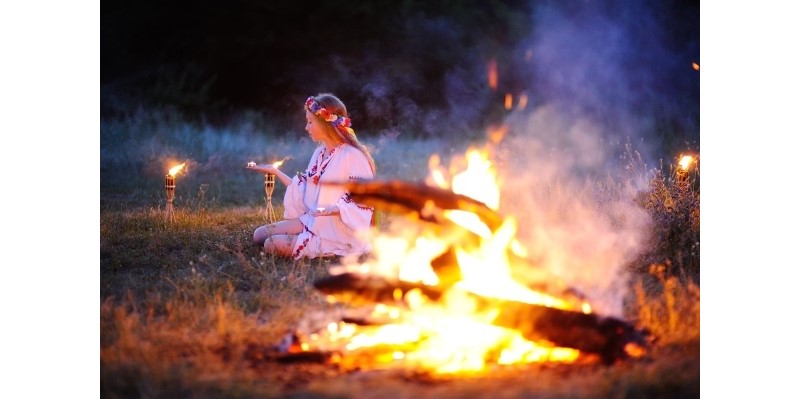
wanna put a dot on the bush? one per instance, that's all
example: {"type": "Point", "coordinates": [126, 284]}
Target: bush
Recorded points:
{"type": "Point", "coordinates": [673, 201]}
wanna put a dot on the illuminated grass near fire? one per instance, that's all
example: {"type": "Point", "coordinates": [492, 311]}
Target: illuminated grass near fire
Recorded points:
{"type": "Point", "coordinates": [199, 318]}
{"type": "Point", "coordinates": [193, 306]}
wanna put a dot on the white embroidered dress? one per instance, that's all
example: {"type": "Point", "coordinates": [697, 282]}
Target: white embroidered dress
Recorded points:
{"type": "Point", "coordinates": [344, 234]}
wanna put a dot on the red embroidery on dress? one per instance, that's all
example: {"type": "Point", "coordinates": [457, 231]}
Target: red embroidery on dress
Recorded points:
{"type": "Point", "coordinates": [323, 167]}
{"type": "Point", "coordinates": [305, 175]}
{"type": "Point", "coordinates": [296, 254]}
{"type": "Point", "coordinates": [304, 244]}
{"type": "Point", "coordinates": [348, 199]}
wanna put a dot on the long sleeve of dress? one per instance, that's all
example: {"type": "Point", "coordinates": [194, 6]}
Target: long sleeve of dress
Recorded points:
{"type": "Point", "coordinates": [354, 215]}
{"type": "Point", "coordinates": [294, 200]}
{"type": "Point", "coordinates": [293, 205]}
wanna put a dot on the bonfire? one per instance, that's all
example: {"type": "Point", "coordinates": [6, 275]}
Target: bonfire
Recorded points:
{"type": "Point", "coordinates": [438, 292]}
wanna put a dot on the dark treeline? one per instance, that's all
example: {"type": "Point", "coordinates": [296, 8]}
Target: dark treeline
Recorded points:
{"type": "Point", "coordinates": [413, 65]}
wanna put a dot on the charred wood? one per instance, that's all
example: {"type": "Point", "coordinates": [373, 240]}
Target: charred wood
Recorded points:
{"type": "Point", "coordinates": [304, 357]}
{"type": "Point", "coordinates": [361, 289]}
{"type": "Point", "coordinates": [425, 201]}
{"type": "Point", "coordinates": [604, 336]}
{"type": "Point", "coordinates": [589, 333]}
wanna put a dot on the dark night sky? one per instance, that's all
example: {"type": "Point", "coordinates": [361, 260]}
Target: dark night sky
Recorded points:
{"type": "Point", "coordinates": [412, 65]}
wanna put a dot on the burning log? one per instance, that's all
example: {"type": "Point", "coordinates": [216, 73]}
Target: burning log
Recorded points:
{"type": "Point", "coordinates": [302, 357]}
{"type": "Point", "coordinates": [289, 350]}
{"type": "Point", "coordinates": [474, 277]}
{"type": "Point", "coordinates": [425, 201]}
{"type": "Point", "coordinates": [361, 289]}
{"type": "Point", "coordinates": [610, 338]}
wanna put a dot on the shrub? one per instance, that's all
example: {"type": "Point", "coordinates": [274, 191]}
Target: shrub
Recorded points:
{"type": "Point", "coordinates": [673, 201]}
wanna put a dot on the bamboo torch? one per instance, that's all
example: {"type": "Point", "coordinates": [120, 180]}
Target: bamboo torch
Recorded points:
{"type": "Point", "coordinates": [682, 173]}
{"type": "Point", "coordinates": [269, 187]}
{"type": "Point", "coordinates": [169, 187]}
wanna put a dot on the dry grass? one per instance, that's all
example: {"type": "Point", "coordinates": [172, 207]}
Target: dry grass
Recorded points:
{"type": "Point", "coordinates": [193, 309]}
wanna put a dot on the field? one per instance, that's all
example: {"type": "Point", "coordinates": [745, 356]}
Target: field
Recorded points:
{"type": "Point", "coordinates": [191, 308]}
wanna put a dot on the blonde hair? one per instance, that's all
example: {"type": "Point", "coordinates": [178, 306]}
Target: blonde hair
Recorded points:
{"type": "Point", "coordinates": [338, 133]}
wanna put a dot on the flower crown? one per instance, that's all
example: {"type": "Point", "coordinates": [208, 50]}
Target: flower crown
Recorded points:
{"type": "Point", "coordinates": [316, 109]}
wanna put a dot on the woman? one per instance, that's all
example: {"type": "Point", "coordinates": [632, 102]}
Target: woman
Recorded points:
{"type": "Point", "coordinates": [321, 219]}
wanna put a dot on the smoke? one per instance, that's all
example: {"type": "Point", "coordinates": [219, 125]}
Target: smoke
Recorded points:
{"type": "Point", "coordinates": [626, 64]}
{"type": "Point", "coordinates": [579, 225]}
{"type": "Point", "coordinates": [598, 75]}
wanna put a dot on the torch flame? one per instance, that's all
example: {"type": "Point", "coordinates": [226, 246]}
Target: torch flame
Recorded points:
{"type": "Point", "coordinates": [685, 162]}
{"type": "Point", "coordinates": [174, 170]}
{"type": "Point", "coordinates": [279, 163]}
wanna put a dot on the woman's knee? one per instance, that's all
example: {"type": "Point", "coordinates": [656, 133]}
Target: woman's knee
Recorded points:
{"type": "Point", "coordinates": [279, 244]}
{"type": "Point", "coordinates": [260, 235]}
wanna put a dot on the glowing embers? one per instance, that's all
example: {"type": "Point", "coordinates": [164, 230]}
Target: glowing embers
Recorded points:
{"type": "Point", "coordinates": [433, 338]}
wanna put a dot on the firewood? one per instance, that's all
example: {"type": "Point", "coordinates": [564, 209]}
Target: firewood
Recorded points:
{"type": "Point", "coordinates": [426, 202]}
{"type": "Point", "coordinates": [590, 333]}
{"type": "Point", "coordinates": [361, 289]}
{"type": "Point", "coordinates": [587, 332]}
{"type": "Point", "coordinates": [304, 357]}
{"type": "Point", "coordinates": [607, 337]}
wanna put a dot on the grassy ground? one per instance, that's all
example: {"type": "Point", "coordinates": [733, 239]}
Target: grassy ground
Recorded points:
{"type": "Point", "coordinates": [192, 309]}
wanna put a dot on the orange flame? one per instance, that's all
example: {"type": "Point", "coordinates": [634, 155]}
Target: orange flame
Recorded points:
{"type": "Point", "coordinates": [497, 133]}
{"type": "Point", "coordinates": [685, 162]}
{"type": "Point", "coordinates": [478, 180]}
{"type": "Point", "coordinates": [176, 169]}
{"type": "Point", "coordinates": [696, 66]}
{"type": "Point", "coordinates": [509, 101]}
{"type": "Point", "coordinates": [492, 74]}
{"type": "Point", "coordinates": [279, 163]}
{"type": "Point", "coordinates": [449, 335]}
{"type": "Point", "coordinates": [437, 174]}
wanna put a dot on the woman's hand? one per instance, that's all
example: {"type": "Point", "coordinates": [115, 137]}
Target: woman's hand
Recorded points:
{"type": "Point", "coordinates": [328, 211]}
{"type": "Point", "coordinates": [263, 168]}
{"type": "Point", "coordinates": [270, 168]}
